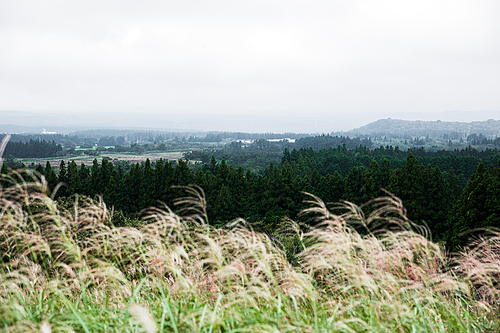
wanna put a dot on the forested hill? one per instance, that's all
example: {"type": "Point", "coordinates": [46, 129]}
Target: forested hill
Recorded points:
{"type": "Point", "coordinates": [419, 128]}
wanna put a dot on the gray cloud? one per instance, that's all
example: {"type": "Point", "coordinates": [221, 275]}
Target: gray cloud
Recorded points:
{"type": "Point", "coordinates": [357, 59]}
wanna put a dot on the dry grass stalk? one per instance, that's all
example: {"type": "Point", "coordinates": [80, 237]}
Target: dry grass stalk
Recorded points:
{"type": "Point", "coordinates": [70, 253]}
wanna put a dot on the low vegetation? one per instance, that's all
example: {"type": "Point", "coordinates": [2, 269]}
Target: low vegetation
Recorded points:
{"type": "Point", "coordinates": [69, 269]}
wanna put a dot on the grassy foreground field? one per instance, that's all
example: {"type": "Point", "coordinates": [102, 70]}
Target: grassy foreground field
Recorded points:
{"type": "Point", "coordinates": [70, 270]}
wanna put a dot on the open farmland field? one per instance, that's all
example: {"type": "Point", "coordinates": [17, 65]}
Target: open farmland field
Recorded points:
{"type": "Point", "coordinates": [88, 160]}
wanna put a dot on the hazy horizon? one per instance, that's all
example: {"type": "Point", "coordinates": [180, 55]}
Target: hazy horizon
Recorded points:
{"type": "Point", "coordinates": [17, 122]}
{"type": "Point", "coordinates": [261, 66]}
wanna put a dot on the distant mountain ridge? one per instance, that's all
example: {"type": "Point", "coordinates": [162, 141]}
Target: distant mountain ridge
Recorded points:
{"type": "Point", "coordinates": [423, 128]}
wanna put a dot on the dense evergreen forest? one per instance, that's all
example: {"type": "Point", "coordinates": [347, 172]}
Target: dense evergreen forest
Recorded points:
{"type": "Point", "coordinates": [32, 149]}
{"type": "Point", "coordinates": [450, 191]}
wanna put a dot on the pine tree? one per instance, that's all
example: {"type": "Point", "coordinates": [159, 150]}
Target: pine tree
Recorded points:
{"type": "Point", "coordinates": [39, 169]}
{"type": "Point", "coordinates": [471, 209]}
{"type": "Point", "coordinates": [96, 179]}
{"type": "Point", "coordinates": [3, 172]}
{"type": "Point", "coordinates": [50, 176]}
{"type": "Point", "coordinates": [223, 207]}
{"type": "Point", "coordinates": [159, 181]}
{"type": "Point", "coordinates": [287, 157]}
{"type": "Point", "coordinates": [168, 192]}
{"type": "Point", "coordinates": [146, 186]}
{"type": "Point", "coordinates": [132, 181]}
{"type": "Point", "coordinates": [73, 179]}
{"type": "Point", "coordinates": [353, 184]}
{"type": "Point", "coordinates": [314, 179]}
{"type": "Point", "coordinates": [84, 175]}
{"type": "Point", "coordinates": [183, 174]}
{"type": "Point", "coordinates": [436, 204]}
{"type": "Point", "coordinates": [407, 183]}
{"type": "Point", "coordinates": [63, 180]}
{"type": "Point", "coordinates": [111, 191]}
{"type": "Point", "coordinates": [238, 186]}
{"type": "Point", "coordinates": [123, 201]}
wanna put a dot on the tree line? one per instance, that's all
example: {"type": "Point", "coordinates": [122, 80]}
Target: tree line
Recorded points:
{"type": "Point", "coordinates": [32, 149]}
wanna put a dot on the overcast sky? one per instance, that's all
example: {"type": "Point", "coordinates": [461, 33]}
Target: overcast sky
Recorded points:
{"type": "Point", "coordinates": [320, 59]}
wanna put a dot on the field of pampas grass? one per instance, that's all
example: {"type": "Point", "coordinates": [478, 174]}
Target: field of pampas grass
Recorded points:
{"type": "Point", "coordinates": [68, 269]}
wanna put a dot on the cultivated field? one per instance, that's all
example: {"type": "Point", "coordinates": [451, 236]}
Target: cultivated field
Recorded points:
{"type": "Point", "coordinates": [88, 160]}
